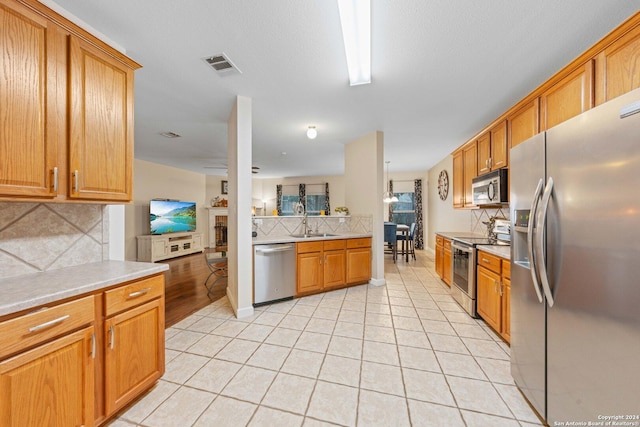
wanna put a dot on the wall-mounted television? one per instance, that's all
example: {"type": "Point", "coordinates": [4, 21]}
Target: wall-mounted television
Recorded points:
{"type": "Point", "coordinates": [171, 216]}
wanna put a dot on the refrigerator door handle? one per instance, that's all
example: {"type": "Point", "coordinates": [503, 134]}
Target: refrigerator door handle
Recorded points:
{"type": "Point", "coordinates": [544, 277]}
{"type": "Point", "coordinates": [530, 227]}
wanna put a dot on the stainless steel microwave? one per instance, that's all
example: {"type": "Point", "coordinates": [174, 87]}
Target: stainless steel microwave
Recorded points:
{"type": "Point", "coordinates": [491, 188]}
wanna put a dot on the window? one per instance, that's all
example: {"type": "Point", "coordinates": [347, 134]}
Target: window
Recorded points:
{"type": "Point", "coordinates": [404, 210]}
{"type": "Point", "coordinates": [314, 203]}
{"type": "Point", "coordinates": [287, 203]}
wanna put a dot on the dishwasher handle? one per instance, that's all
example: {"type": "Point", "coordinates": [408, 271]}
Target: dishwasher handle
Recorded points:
{"type": "Point", "coordinates": [271, 250]}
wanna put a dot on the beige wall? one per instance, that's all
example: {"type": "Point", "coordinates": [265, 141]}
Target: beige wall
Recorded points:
{"type": "Point", "coordinates": [364, 183]}
{"type": "Point", "coordinates": [155, 181]}
{"type": "Point", "coordinates": [441, 215]}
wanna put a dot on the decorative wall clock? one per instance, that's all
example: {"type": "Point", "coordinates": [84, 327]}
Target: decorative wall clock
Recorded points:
{"type": "Point", "coordinates": [443, 185]}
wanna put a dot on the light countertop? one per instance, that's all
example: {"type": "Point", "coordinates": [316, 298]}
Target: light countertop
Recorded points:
{"type": "Point", "coordinates": [31, 290]}
{"type": "Point", "coordinates": [458, 234]}
{"type": "Point", "coordinates": [501, 251]}
{"type": "Point", "coordinates": [266, 240]}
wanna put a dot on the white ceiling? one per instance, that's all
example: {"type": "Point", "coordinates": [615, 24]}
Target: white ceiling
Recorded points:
{"type": "Point", "coordinates": [441, 70]}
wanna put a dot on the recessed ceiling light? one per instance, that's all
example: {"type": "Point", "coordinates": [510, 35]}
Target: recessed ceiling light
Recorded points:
{"type": "Point", "coordinates": [312, 132]}
{"type": "Point", "coordinates": [170, 135]}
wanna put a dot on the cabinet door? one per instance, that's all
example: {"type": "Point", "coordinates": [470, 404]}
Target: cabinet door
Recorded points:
{"type": "Point", "coordinates": [51, 385]}
{"type": "Point", "coordinates": [618, 67]}
{"type": "Point", "coordinates": [358, 265]}
{"type": "Point", "coordinates": [100, 125]}
{"type": "Point", "coordinates": [524, 123]}
{"type": "Point", "coordinates": [488, 298]}
{"type": "Point", "coordinates": [569, 97]}
{"type": "Point", "coordinates": [439, 260]}
{"type": "Point", "coordinates": [159, 248]}
{"type": "Point", "coordinates": [29, 130]}
{"type": "Point", "coordinates": [506, 309]}
{"type": "Point", "coordinates": [458, 179]}
{"type": "Point", "coordinates": [309, 272]}
{"type": "Point", "coordinates": [484, 153]}
{"type": "Point", "coordinates": [499, 146]}
{"type": "Point", "coordinates": [446, 262]}
{"type": "Point", "coordinates": [470, 171]}
{"type": "Point", "coordinates": [334, 268]}
{"type": "Point", "coordinates": [134, 354]}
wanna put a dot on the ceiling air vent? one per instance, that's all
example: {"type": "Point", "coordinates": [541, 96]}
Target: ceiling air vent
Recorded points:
{"type": "Point", "coordinates": [221, 64]}
{"type": "Point", "coordinates": [170, 135]}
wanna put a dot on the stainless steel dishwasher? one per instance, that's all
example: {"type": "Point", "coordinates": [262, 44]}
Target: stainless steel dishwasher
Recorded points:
{"type": "Point", "coordinates": [274, 274]}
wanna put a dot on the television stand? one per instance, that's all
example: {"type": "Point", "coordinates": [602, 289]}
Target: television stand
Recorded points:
{"type": "Point", "coordinates": [152, 248]}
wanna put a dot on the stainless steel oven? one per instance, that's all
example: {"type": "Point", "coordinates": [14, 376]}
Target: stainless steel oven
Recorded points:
{"type": "Point", "coordinates": [463, 282]}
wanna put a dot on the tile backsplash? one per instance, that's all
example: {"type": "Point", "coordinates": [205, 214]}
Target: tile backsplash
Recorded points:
{"type": "Point", "coordinates": [479, 216]}
{"type": "Point", "coordinates": [37, 237]}
{"type": "Point", "coordinates": [274, 226]}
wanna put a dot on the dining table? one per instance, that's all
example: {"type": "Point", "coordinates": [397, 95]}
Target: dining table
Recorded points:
{"type": "Point", "coordinates": [403, 229]}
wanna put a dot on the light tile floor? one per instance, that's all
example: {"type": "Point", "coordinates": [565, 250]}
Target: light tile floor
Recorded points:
{"type": "Point", "coordinates": [404, 354]}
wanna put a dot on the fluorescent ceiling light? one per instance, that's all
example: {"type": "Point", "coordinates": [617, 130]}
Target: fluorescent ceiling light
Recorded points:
{"type": "Point", "coordinates": [355, 17]}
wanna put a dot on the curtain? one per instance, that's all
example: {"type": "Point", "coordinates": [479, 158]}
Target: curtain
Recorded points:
{"type": "Point", "coordinates": [279, 199]}
{"type": "Point", "coordinates": [419, 240]}
{"type": "Point", "coordinates": [327, 205]}
{"type": "Point", "coordinates": [302, 192]}
{"type": "Point", "coordinates": [391, 204]}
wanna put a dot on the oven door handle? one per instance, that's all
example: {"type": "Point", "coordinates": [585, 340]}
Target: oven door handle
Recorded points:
{"type": "Point", "coordinates": [462, 248]}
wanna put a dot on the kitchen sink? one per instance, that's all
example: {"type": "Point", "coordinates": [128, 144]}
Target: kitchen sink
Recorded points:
{"type": "Point", "coordinates": [305, 236]}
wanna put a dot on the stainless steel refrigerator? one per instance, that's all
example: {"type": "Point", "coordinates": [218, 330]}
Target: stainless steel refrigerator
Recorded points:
{"type": "Point", "coordinates": [575, 286]}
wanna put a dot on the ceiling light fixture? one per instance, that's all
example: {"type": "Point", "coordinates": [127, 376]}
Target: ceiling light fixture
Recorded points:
{"type": "Point", "coordinates": [312, 132]}
{"type": "Point", "coordinates": [355, 17]}
{"type": "Point", "coordinates": [388, 196]}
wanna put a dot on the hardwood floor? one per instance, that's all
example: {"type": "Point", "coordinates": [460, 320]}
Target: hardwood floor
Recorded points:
{"type": "Point", "coordinates": [185, 292]}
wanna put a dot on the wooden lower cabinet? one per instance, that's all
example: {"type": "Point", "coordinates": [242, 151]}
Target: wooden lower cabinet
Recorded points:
{"type": "Point", "coordinates": [488, 297]}
{"type": "Point", "coordinates": [134, 356]}
{"type": "Point", "coordinates": [331, 264]}
{"type": "Point", "coordinates": [494, 293]}
{"type": "Point", "coordinates": [77, 363]}
{"type": "Point", "coordinates": [446, 262]}
{"type": "Point", "coordinates": [439, 256]}
{"type": "Point", "coordinates": [50, 385]}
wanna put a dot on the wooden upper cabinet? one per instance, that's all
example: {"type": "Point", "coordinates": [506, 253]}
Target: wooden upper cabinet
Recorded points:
{"type": "Point", "coordinates": [524, 123]}
{"type": "Point", "coordinates": [569, 97]}
{"type": "Point", "coordinates": [458, 180]}
{"type": "Point", "coordinates": [484, 153]}
{"type": "Point", "coordinates": [101, 125]}
{"type": "Point", "coordinates": [470, 159]}
{"type": "Point", "coordinates": [618, 67]}
{"type": "Point", "coordinates": [499, 146]}
{"type": "Point", "coordinates": [28, 144]}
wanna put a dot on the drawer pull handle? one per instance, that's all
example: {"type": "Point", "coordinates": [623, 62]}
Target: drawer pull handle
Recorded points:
{"type": "Point", "coordinates": [486, 260]}
{"type": "Point", "coordinates": [139, 293]}
{"type": "Point", "coordinates": [49, 323]}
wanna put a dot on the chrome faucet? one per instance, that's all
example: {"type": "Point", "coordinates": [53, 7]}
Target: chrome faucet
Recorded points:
{"type": "Point", "coordinates": [305, 224]}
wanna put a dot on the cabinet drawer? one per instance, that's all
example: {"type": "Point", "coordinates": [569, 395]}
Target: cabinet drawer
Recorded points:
{"type": "Point", "coordinates": [133, 294]}
{"type": "Point", "coordinates": [41, 325]}
{"type": "Point", "coordinates": [446, 243]}
{"type": "Point", "coordinates": [489, 261]}
{"type": "Point", "coordinates": [364, 242]}
{"type": "Point", "coordinates": [334, 245]}
{"type": "Point", "coordinates": [439, 240]}
{"type": "Point", "coordinates": [304, 247]}
{"type": "Point", "coordinates": [506, 268]}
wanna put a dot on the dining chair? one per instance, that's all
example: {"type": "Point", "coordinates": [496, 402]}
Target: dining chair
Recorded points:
{"type": "Point", "coordinates": [410, 240]}
{"type": "Point", "coordinates": [391, 239]}
{"type": "Point", "coordinates": [218, 268]}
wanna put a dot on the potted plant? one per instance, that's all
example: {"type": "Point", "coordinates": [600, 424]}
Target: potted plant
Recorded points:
{"type": "Point", "coordinates": [342, 210]}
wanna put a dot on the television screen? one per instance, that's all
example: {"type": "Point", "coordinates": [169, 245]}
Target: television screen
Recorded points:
{"type": "Point", "coordinates": [167, 216]}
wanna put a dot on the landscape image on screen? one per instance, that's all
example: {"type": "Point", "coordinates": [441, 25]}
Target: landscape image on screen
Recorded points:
{"type": "Point", "coordinates": [171, 216]}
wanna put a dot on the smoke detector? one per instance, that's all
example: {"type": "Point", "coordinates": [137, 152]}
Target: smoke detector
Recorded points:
{"type": "Point", "coordinates": [222, 64]}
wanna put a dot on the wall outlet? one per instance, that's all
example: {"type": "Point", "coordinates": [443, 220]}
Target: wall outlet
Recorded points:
{"type": "Point", "coordinates": [257, 221]}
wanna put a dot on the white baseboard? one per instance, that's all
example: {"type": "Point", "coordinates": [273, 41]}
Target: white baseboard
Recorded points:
{"type": "Point", "coordinates": [239, 312]}
{"type": "Point", "coordinates": [377, 282]}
